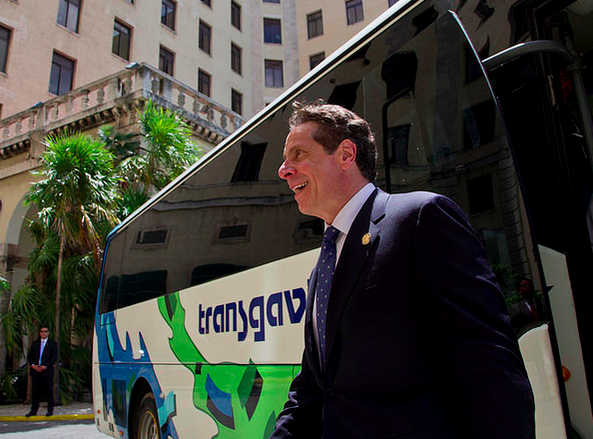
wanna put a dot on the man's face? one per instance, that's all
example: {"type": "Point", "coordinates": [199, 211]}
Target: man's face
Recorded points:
{"type": "Point", "coordinates": [44, 333]}
{"type": "Point", "coordinates": [526, 289]}
{"type": "Point", "coordinates": [312, 174]}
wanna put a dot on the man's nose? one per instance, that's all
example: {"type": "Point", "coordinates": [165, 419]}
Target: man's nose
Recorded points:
{"type": "Point", "coordinates": [285, 170]}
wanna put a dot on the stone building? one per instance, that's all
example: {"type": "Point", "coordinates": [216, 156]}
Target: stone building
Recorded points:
{"type": "Point", "coordinates": [85, 63]}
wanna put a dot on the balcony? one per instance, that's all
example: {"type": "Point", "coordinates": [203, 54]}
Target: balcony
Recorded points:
{"type": "Point", "coordinates": [111, 98]}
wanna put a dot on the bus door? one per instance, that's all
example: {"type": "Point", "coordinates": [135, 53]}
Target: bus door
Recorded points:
{"type": "Point", "coordinates": [545, 90]}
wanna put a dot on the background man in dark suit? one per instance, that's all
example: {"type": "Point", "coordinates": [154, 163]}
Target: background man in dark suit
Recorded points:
{"type": "Point", "coordinates": [409, 337]}
{"type": "Point", "coordinates": [42, 357]}
{"type": "Point", "coordinates": [527, 311]}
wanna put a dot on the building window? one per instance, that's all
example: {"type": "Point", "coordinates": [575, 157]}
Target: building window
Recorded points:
{"type": "Point", "coordinates": [236, 58]}
{"type": "Point", "coordinates": [168, 13]}
{"type": "Point", "coordinates": [235, 232]}
{"type": "Point", "coordinates": [249, 163]}
{"type": "Point", "coordinates": [316, 59]}
{"type": "Point", "coordinates": [392, 2]}
{"type": "Point", "coordinates": [314, 25]}
{"type": "Point", "coordinates": [354, 12]}
{"type": "Point", "coordinates": [272, 31]}
{"type": "Point", "coordinates": [166, 61]}
{"type": "Point", "coordinates": [236, 101]}
{"type": "Point", "coordinates": [205, 36]}
{"type": "Point", "coordinates": [152, 237]}
{"type": "Point", "coordinates": [204, 82]}
{"type": "Point", "coordinates": [207, 2]}
{"type": "Point", "coordinates": [309, 230]}
{"type": "Point", "coordinates": [4, 43]}
{"type": "Point", "coordinates": [68, 14]}
{"type": "Point", "coordinates": [62, 73]}
{"type": "Point", "coordinates": [274, 73]}
{"type": "Point", "coordinates": [272, 1]}
{"type": "Point", "coordinates": [122, 35]}
{"type": "Point", "coordinates": [398, 141]}
{"type": "Point", "coordinates": [236, 15]}
{"type": "Point", "coordinates": [480, 194]}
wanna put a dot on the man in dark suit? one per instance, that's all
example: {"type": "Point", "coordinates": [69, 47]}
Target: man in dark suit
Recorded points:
{"type": "Point", "coordinates": [529, 310]}
{"type": "Point", "coordinates": [409, 337]}
{"type": "Point", "coordinates": [42, 357]}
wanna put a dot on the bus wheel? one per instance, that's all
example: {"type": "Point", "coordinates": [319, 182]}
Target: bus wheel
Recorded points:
{"type": "Point", "coordinates": [147, 421]}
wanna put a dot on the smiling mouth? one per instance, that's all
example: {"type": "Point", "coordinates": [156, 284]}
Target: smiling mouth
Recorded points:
{"type": "Point", "coordinates": [299, 187]}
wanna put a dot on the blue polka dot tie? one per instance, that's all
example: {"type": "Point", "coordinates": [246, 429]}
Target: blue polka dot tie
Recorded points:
{"type": "Point", "coordinates": [325, 273]}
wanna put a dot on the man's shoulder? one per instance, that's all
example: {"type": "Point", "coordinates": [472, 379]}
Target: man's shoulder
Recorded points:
{"type": "Point", "coordinates": [415, 200]}
{"type": "Point", "coordinates": [417, 206]}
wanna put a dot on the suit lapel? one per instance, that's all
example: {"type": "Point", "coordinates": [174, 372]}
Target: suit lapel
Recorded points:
{"type": "Point", "coordinates": [352, 260]}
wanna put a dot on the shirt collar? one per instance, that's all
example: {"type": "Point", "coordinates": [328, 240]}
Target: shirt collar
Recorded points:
{"type": "Point", "coordinates": [346, 216]}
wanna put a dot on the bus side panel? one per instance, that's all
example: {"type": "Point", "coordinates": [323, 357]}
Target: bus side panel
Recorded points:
{"type": "Point", "coordinates": [219, 357]}
{"type": "Point", "coordinates": [120, 368]}
{"type": "Point", "coordinates": [104, 424]}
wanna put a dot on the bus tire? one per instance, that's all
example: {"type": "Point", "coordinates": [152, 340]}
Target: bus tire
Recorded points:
{"type": "Point", "coordinates": [147, 419]}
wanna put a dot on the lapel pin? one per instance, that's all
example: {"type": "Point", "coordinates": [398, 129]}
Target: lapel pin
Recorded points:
{"type": "Point", "coordinates": [366, 238]}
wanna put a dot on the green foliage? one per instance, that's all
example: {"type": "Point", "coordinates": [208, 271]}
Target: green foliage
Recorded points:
{"type": "Point", "coordinates": [13, 386]}
{"type": "Point", "coordinates": [75, 375]}
{"type": "Point", "coordinates": [4, 285]}
{"type": "Point", "coordinates": [77, 191]}
{"type": "Point", "coordinates": [21, 317]}
{"type": "Point", "coordinates": [166, 149]}
{"type": "Point", "coordinates": [119, 144]}
{"type": "Point", "coordinates": [86, 186]}
{"type": "Point", "coordinates": [131, 199]}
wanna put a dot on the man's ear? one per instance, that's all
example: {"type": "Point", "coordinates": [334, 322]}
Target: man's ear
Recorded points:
{"type": "Point", "coordinates": [347, 151]}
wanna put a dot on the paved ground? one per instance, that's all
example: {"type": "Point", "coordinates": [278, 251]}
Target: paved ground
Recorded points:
{"type": "Point", "coordinates": [72, 421]}
{"type": "Point", "coordinates": [84, 429]}
{"type": "Point", "coordinates": [73, 411]}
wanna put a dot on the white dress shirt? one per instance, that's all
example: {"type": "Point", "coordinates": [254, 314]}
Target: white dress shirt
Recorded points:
{"type": "Point", "coordinates": [41, 348]}
{"type": "Point", "coordinates": [343, 221]}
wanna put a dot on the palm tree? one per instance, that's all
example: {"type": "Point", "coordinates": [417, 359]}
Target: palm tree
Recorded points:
{"type": "Point", "coordinates": [165, 150]}
{"type": "Point", "coordinates": [147, 165]}
{"type": "Point", "coordinates": [77, 192]}
{"type": "Point", "coordinates": [122, 145]}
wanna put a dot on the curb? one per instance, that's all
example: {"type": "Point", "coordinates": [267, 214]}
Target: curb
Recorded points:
{"type": "Point", "coordinates": [45, 418]}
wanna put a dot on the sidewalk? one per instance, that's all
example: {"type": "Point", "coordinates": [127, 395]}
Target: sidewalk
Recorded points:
{"type": "Point", "coordinates": [72, 411]}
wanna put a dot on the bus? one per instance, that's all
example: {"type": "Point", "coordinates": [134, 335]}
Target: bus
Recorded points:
{"type": "Point", "coordinates": [199, 324]}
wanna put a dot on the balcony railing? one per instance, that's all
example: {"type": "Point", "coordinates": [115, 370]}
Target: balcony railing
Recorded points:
{"type": "Point", "coordinates": [105, 99]}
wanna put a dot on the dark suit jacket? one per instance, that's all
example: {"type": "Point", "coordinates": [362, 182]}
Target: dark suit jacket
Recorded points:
{"type": "Point", "coordinates": [49, 358]}
{"type": "Point", "coordinates": [418, 337]}
{"type": "Point", "coordinates": [521, 315]}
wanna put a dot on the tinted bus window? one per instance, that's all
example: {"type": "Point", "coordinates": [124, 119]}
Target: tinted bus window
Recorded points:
{"type": "Point", "coordinates": [435, 130]}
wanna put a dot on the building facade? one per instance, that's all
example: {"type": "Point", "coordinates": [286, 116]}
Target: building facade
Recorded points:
{"type": "Point", "coordinates": [85, 63]}
{"type": "Point", "coordinates": [325, 25]}
{"type": "Point", "coordinates": [241, 53]}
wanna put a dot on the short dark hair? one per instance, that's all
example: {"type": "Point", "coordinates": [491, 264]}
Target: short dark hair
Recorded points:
{"type": "Point", "coordinates": [520, 279]}
{"type": "Point", "coordinates": [336, 124]}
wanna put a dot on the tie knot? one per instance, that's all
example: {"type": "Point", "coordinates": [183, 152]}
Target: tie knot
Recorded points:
{"type": "Point", "coordinates": [330, 235]}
